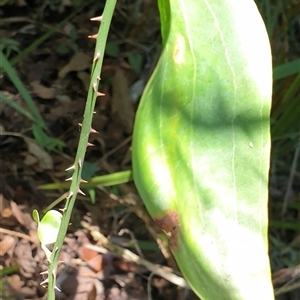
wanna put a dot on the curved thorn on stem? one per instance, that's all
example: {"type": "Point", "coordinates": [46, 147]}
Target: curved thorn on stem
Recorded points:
{"type": "Point", "coordinates": [94, 36]}
{"type": "Point", "coordinates": [56, 288]}
{"type": "Point", "coordinates": [80, 163]}
{"type": "Point", "coordinates": [97, 56]}
{"type": "Point", "coordinates": [81, 192]}
{"type": "Point", "coordinates": [70, 195]}
{"type": "Point", "coordinates": [70, 168]}
{"type": "Point", "coordinates": [93, 131]}
{"type": "Point", "coordinates": [44, 282]}
{"type": "Point", "coordinates": [99, 19]}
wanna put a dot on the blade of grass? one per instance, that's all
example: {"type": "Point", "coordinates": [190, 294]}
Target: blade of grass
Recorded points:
{"type": "Point", "coordinates": [8, 270]}
{"type": "Point", "coordinates": [11, 73]}
{"type": "Point", "coordinates": [17, 107]}
{"type": "Point", "coordinates": [270, 14]}
{"type": "Point", "coordinates": [104, 180]}
{"type": "Point", "coordinates": [292, 225]}
{"type": "Point", "coordinates": [286, 69]}
{"type": "Point", "coordinates": [286, 128]}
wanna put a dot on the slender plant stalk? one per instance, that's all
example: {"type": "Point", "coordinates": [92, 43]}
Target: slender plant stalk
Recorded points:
{"type": "Point", "coordinates": [17, 107]}
{"type": "Point", "coordinates": [93, 93]}
{"type": "Point", "coordinates": [33, 113]}
{"type": "Point", "coordinates": [103, 180]}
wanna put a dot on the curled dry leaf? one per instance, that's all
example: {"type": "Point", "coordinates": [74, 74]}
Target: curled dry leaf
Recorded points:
{"type": "Point", "coordinates": [16, 282]}
{"type": "Point", "coordinates": [84, 78]}
{"type": "Point", "coordinates": [282, 276]}
{"type": "Point", "coordinates": [7, 243]}
{"type": "Point", "coordinates": [121, 101]}
{"type": "Point", "coordinates": [30, 160]}
{"type": "Point", "coordinates": [92, 258]}
{"type": "Point", "coordinates": [77, 284]}
{"type": "Point", "coordinates": [127, 266]}
{"type": "Point", "coordinates": [44, 159]}
{"type": "Point", "coordinates": [78, 62]}
{"type": "Point", "coordinates": [23, 258]}
{"type": "Point", "coordinates": [22, 217]}
{"type": "Point", "coordinates": [5, 211]}
{"type": "Point", "coordinates": [295, 244]}
{"type": "Point", "coordinates": [42, 91]}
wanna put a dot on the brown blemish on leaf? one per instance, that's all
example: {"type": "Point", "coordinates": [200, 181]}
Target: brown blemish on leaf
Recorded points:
{"type": "Point", "coordinates": [178, 54]}
{"type": "Point", "coordinates": [170, 225]}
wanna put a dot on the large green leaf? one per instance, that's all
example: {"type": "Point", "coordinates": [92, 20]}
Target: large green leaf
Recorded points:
{"type": "Point", "coordinates": [201, 145]}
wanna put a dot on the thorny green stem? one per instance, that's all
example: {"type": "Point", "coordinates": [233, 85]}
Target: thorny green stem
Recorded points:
{"type": "Point", "coordinates": [83, 142]}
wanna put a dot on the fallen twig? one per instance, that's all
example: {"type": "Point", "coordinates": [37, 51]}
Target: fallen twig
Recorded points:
{"type": "Point", "coordinates": [163, 271]}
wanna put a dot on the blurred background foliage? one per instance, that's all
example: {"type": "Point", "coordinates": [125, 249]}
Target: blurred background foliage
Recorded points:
{"type": "Point", "coordinates": [282, 19]}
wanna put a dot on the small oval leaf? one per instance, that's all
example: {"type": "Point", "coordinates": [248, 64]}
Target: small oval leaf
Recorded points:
{"type": "Point", "coordinates": [49, 227]}
{"type": "Point", "coordinates": [35, 216]}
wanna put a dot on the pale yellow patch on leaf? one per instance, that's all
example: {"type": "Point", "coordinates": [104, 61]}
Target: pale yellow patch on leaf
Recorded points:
{"type": "Point", "coordinates": [179, 49]}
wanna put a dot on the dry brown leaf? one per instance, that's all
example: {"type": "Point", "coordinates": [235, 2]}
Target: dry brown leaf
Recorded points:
{"type": "Point", "coordinates": [17, 213]}
{"type": "Point", "coordinates": [295, 244]}
{"type": "Point", "coordinates": [42, 91]}
{"type": "Point", "coordinates": [78, 62]}
{"type": "Point", "coordinates": [121, 102]}
{"type": "Point", "coordinates": [7, 243]}
{"type": "Point", "coordinates": [23, 258]}
{"type": "Point", "coordinates": [86, 253]}
{"type": "Point", "coordinates": [44, 159]}
{"type": "Point", "coordinates": [96, 263]}
{"type": "Point", "coordinates": [30, 160]}
{"type": "Point", "coordinates": [84, 78]}
{"type": "Point", "coordinates": [94, 260]}
{"type": "Point", "coordinates": [21, 3]}
{"type": "Point", "coordinates": [16, 282]}
{"type": "Point", "coordinates": [128, 266]}
{"type": "Point", "coordinates": [284, 275]}
{"type": "Point", "coordinates": [22, 217]}
{"type": "Point", "coordinates": [77, 284]}
{"type": "Point", "coordinates": [5, 210]}
{"type": "Point", "coordinates": [2, 129]}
